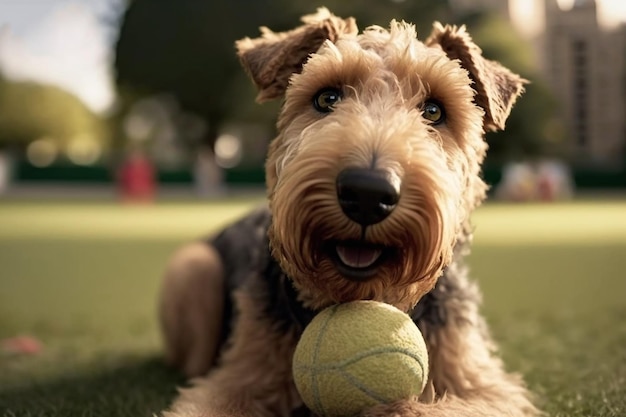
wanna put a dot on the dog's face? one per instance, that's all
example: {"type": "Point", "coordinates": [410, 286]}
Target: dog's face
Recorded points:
{"type": "Point", "coordinates": [376, 165]}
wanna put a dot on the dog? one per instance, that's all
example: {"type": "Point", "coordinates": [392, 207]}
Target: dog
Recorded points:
{"type": "Point", "coordinates": [371, 181]}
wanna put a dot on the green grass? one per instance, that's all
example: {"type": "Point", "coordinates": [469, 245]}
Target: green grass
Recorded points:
{"type": "Point", "coordinates": [84, 277]}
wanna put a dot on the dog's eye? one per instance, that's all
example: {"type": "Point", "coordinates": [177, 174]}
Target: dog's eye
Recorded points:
{"type": "Point", "coordinates": [326, 99]}
{"type": "Point", "coordinates": [433, 112]}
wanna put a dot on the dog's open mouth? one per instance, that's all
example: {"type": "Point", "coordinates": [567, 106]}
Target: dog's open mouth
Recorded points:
{"type": "Point", "coordinates": [357, 260]}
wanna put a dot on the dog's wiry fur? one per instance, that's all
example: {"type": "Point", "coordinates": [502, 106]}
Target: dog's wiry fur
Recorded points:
{"type": "Point", "coordinates": [236, 307]}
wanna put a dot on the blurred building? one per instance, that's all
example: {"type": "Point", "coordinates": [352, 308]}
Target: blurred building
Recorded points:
{"type": "Point", "coordinates": [583, 61]}
{"type": "Point", "coordinates": [584, 64]}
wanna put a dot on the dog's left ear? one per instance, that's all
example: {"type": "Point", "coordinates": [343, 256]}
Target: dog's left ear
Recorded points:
{"type": "Point", "coordinates": [273, 58]}
{"type": "Point", "coordinates": [496, 87]}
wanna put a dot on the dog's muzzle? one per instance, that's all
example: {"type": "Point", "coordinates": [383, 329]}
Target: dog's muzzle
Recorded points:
{"type": "Point", "coordinates": [367, 197]}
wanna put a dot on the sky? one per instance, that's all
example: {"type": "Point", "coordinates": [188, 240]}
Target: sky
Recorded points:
{"type": "Point", "coordinates": [61, 42]}
{"type": "Point", "coordinates": [68, 42]}
{"type": "Point", "coordinates": [528, 18]}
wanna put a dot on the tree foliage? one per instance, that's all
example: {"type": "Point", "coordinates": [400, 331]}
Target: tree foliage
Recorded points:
{"type": "Point", "coordinates": [381, 12]}
{"type": "Point", "coordinates": [29, 111]}
{"type": "Point", "coordinates": [185, 48]}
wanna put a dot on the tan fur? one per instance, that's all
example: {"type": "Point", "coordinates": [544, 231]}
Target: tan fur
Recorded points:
{"type": "Point", "coordinates": [382, 119]}
{"type": "Point", "coordinates": [273, 58]}
{"type": "Point", "coordinates": [191, 308]}
{"type": "Point", "coordinates": [239, 387]}
{"type": "Point", "coordinates": [386, 76]}
{"type": "Point", "coordinates": [497, 87]}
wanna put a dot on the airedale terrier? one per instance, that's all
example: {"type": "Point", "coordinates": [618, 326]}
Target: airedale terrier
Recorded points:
{"type": "Point", "coordinates": [371, 182]}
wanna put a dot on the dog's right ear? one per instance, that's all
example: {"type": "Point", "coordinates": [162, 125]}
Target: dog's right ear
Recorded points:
{"type": "Point", "coordinates": [273, 58]}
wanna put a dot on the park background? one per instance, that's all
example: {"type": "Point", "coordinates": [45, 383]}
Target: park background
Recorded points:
{"type": "Point", "coordinates": [83, 84]}
{"type": "Point", "coordinates": [89, 87]}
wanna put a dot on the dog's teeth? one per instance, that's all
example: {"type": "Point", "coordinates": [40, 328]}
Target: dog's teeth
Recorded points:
{"type": "Point", "coordinates": [356, 257]}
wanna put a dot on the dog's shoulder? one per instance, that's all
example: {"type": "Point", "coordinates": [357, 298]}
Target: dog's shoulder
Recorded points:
{"type": "Point", "coordinates": [243, 245]}
{"type": "Point", "coordinates": [249, 266]}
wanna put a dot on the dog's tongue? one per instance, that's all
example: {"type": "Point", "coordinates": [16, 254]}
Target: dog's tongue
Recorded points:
{"type": "Point", "coordinates": [357, 256]}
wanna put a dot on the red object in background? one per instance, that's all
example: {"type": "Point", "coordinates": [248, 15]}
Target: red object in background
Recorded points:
{"type": "Point", "coordinates": [546, 189]}
{"type": "Point", "coordinates": [137, 179]}
{"type": "Point", "coordinates": [21, 345]}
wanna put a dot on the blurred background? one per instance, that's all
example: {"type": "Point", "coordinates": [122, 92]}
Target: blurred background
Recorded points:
{"type": "Point", "coordinates": [90, 86]}
{"type": "Point", "coordinates": [128, 128]}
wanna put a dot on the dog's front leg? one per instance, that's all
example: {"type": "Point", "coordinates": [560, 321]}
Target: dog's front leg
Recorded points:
{"type": "Point", "coordinates": [452, 406]}
{"type": "Point", "coordinates": [466, 378]}
{"type": "Point", "coordinates": [254, 376]}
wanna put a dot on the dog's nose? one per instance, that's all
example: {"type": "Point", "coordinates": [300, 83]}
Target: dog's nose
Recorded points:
{"type": "Point", "coordinates": [367, 196]}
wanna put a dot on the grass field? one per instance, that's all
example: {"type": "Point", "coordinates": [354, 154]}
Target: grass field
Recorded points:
{"type": "Point", "coordinates": [83, 278]}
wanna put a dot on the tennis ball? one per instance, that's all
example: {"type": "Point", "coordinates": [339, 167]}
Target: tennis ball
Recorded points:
{"type": "Point", "coordinates": [357, 355]}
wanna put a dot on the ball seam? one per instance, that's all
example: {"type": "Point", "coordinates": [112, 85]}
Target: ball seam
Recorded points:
{"type": "Point", "coordinates": [316, 391]}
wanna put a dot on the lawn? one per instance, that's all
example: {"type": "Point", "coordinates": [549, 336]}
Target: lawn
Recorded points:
{"type": "Point", "coordinates": [83, 278]}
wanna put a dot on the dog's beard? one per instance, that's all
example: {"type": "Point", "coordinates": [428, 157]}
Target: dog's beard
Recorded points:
{"type": "Point", "coordinates": [416, 241]}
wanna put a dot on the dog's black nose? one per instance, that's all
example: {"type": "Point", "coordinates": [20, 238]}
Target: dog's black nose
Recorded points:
{"type": "Point", "coordinates": [367, 196]}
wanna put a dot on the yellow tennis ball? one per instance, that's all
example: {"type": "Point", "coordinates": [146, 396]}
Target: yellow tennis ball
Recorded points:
{"type": "Point", "coordinates": [357, 355]}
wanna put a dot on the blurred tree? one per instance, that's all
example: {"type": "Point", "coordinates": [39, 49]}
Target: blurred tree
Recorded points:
{"type": "Point", "coordinates": [29, 111]}
{"type": "Point", "coordinates": [381, 12]}
{"type": "Point", "coordinates": [186, 48]}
